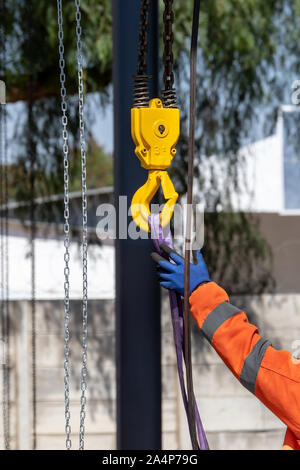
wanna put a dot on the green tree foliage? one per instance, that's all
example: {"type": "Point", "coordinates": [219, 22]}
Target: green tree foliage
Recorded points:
{"type": "Point", "coordinates": [99, 169]}
{"type": "Point", "coordinates": [38, 54]}
{"type": "Point", "coordinates": [99, 174]}
{"type": "Point", "coordinates": [32, 76]}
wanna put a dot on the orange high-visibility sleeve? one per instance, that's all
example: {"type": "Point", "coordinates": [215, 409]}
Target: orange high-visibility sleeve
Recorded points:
{"type": "Point", "coordinates": [225, 326]}
{"type": "Point", "coordinates": [273, 376]}
{"type": "Point", "coordinates": [290, 441]}
{"type": "Point", "coordinates": [278, 387]}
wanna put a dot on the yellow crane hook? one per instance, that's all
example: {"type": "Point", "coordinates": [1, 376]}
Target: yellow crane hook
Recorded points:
{"type": "Point", "coordinates": [155, 132]}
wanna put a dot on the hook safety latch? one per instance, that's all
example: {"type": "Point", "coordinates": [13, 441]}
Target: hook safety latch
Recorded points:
{"type": "Point", "coordinates": [155, 132]}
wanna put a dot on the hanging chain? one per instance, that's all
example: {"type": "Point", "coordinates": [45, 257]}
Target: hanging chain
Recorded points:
{"type": "Point", "coordinates": [83, 384]}
{"type": "Point", "coordinates": [169, 93]}
{"type": "Point", "coordinates": [143, 38]}
{"type": "Point", "coordinates": [65, 149]}
{"type": "Point", "coordinates": [168, 38]}
{"type": "Point", "coordinates": [141, 79]}
{"type": "Point", "coordinates": [83, 381]}
{"type": "Point", "coordinates": [141, 88]}
{"type": "Point", "coordinates": [4, 254]}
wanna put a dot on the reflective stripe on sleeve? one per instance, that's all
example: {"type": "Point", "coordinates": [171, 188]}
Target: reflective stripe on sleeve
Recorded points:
{"type": "Point", "coordinates": [252, 364]}
{"type": "Point", "coordinates": [216, 318]}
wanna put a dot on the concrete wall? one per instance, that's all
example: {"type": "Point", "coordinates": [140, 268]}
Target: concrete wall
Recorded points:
{"type": "Point", "coordinates": [232, 417]}
{"type": "Point", "coordinates": [282, 233]}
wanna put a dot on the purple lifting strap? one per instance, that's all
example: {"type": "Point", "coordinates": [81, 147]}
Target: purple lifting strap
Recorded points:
{"type": "Point", "coordinates": [159, 236]}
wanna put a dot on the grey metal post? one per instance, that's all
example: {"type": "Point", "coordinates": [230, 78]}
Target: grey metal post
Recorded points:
{"type": "Point", "coordinates": [137, 289]}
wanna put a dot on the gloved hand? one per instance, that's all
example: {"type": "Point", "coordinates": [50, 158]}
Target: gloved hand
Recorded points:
{"type": "Point", "coordinates": [172, 275]}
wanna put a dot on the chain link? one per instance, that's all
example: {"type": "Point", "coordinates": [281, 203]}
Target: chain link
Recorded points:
{"type": "Point", "coordinates": [143, 38]}
{"type": "Point", "coordinates": [168, 38]}
{"type": "Point", "coordinates": [169, 92]}
{"type": "Point", "coordinates": [83, 384]}
{"type": "Point", "coordinates": [65, 149]}
{"type": "Point", "coordinates": [141, 80]}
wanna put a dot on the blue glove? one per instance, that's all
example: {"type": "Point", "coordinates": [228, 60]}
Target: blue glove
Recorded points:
{"type": "Point", "coordinates": [172, 275]}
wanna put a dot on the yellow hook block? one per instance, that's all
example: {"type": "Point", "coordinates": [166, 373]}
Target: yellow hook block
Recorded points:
{"type": "Point", "coordinates": [140, 204]}
{"type": "Point", "coordinates": [155, 132]}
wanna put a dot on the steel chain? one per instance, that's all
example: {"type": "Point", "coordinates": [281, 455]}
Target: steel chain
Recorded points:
{"type": "Point", "coordinates": [65, 149]}
{"type": "Point", "coordinates": [141, 79]}
{"type": "Point", "coordinates": [168, 38]}
{"type": "Point", "coordinates": [83, 384]}
{"type": "Point", "coordinates": [143, 38]}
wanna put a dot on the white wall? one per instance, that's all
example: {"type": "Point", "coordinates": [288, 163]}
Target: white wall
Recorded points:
{"type": "Point", "coordinates": [260, 178]}
{"type": "Point", "coordinates": [233, 418]}
{"type": "Point", "coordinates": [49, 256]}
{"type": "Point", "coordinates": [263, 180]}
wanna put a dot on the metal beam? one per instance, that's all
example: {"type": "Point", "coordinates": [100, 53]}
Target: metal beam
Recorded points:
{"type": "Point", "coordinates": [137, 289]}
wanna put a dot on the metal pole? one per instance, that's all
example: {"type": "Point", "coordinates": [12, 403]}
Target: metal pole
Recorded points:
{"type": "Point", "coordinates": [137, 290]}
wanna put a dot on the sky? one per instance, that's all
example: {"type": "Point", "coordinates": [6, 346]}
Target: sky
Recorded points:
{"type": "Point", "coordinates": [102, 128]}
